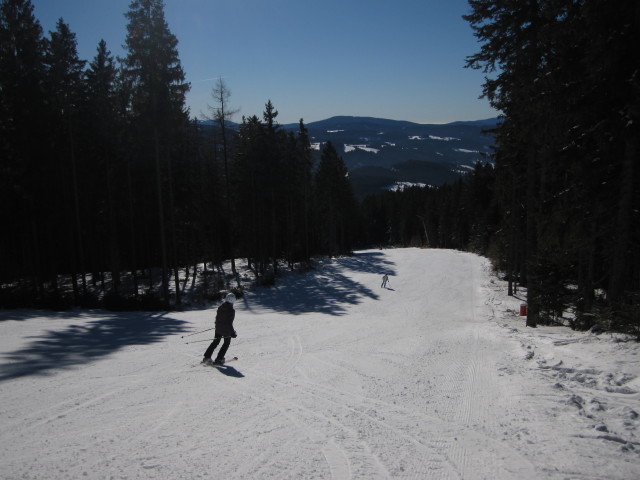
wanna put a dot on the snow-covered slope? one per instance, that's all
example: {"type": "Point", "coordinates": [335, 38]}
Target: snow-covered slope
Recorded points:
{"type": "Point", "coordinates": [435, 377]}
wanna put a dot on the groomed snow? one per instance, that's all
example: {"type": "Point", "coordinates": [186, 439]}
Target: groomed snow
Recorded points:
{"type": "Point", "coordinates": [435, 377]}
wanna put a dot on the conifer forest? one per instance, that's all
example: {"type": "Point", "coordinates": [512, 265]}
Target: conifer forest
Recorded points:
{"type": "Point", "coordinates": [113, 195]}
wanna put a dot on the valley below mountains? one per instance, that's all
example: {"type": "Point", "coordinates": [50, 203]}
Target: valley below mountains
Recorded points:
{"type": "Point", "coordinates": [389, 154]}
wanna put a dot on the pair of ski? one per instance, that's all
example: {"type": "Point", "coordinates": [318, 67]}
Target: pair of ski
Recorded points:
{"type": "Point", "coordinates": [213, 364]}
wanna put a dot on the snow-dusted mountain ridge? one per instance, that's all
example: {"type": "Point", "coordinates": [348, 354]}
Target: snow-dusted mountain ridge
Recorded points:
{"type": "Point", "coordinates": [381, 152]}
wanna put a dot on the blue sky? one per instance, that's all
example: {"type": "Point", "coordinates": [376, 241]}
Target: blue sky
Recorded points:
{"type": "Point", "coordinates": [398, 59]}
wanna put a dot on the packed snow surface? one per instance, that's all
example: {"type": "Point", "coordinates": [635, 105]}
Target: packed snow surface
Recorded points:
{"type": "Point", "coordinates": [434, 377]}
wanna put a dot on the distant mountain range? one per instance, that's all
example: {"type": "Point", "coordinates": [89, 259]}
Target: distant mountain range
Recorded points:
{"type": "Point", "coordinates": [387, 154]}
{"type": "Point", "coordinates": [382, 154]}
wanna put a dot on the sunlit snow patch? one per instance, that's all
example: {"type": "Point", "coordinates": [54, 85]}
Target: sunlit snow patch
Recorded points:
{"type": "Point", "coordinates": [351, 148]}
{"type": "Point", "coordinates": [400, 186]}
{"type": "Point", "coordinates": [444, 139]}
{"type": "Point", "coordinates": [464, 150]}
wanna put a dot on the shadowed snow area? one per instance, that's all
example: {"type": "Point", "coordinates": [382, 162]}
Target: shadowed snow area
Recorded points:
{"type": "Point", "coordinates": [84, 340]}
{"type": "Point", "coordinates": [433, 377]}
{"type": "Point", "coordinates": [330, 289]}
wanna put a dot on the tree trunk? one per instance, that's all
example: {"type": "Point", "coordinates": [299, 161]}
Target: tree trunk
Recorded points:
{"type": "Point", "coordinates": [618, 272]}
{"type": "Point", "coordinates": [76, 204]}
{"type": "Point", "coordinates": [163, 241]}
{"type": "Point", "coordinates": [132, 233]}
{"type": "Point", "coordinates": [228, 191]}
{"type": "Point", "coordinates": [174, 238]}
{"type": "Point", "coordinates": [533, 305]}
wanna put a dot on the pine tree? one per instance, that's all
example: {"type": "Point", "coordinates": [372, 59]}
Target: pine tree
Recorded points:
{"type": "Point", "coordinates": [611, 72]}
{"type": "Point", "coordinates": [64, 90]}
{"type": "Point", "coordinates": [300, 198]}
{"type": "Point", "coordinates": [568, 86]}
{"type": "Point", "coordinates": [272, 156]}
{"type": "Point", "coordinates": [107, 168]}
{"type": "Point", "coordinates": [152, 70]}
{"type": "Point", "coordinates": [24, 141]}
{"type": "Point", "coordinates": [222, 114]}
{"type": "Point", "coordinates": [511, 34]}
{"type": "Point", "coordinates": [251, 193]}
{"type": "Point", "coordinates": [335, 204]}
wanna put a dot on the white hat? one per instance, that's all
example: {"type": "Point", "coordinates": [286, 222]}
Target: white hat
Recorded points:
{"type": "Point", "coordinates": [230, 298]}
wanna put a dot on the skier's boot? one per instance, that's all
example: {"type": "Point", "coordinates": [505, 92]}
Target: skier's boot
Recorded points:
{"type": "Point", "coordinates": [219, 361]}
{"type": "Point", "coordinates": [207, 361]}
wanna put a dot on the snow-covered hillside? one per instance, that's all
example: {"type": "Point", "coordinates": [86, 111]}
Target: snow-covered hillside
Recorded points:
{"type": "Point", "coordinates": [381, 152]}
{"type": "Point", "coordinates": [434, 377]}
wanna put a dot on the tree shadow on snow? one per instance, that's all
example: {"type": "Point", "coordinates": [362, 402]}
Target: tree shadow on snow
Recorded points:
{"type": "Point", "coordinates": [86, 341]}
{"type": "Point", "coordinates": [325, 289]}
{"type": "Point", "coordinates": [27, 314]}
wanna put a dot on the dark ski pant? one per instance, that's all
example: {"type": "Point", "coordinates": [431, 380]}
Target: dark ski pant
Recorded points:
{"type": "Point", "coordinates": [214, 344]}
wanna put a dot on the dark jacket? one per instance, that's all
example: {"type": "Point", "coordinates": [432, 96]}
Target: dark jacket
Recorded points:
{"type": "Point", "coordinates": [224, 320]}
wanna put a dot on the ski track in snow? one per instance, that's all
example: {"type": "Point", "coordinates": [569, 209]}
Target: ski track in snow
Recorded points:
{"type": "Point", "coordinates": [433, 378]}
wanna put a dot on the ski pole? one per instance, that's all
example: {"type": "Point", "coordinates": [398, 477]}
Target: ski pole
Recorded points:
{"type": "Point", "coordinates": [198, 341]}
{"type": "Point", "coordinates": [196, 333]}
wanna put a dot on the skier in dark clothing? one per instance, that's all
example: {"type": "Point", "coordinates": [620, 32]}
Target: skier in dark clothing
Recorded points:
{"type": "Point", "coordinates": [224, 329]}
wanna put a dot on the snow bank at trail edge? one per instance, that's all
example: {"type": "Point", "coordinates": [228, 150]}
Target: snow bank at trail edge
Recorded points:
{"type": "Point", "coordinates": [594, 380]}
{"type": "Point", "coordinates": [434, 377]}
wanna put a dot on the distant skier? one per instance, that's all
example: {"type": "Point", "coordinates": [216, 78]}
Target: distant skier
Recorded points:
{"type": "Point", "coordinates": [224, 329]}
{"type": "Point", "coordinates": [385, 279]}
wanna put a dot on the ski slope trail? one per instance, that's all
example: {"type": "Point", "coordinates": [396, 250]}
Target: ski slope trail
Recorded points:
{"type": "Point", "coordinates": [337, 378]}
